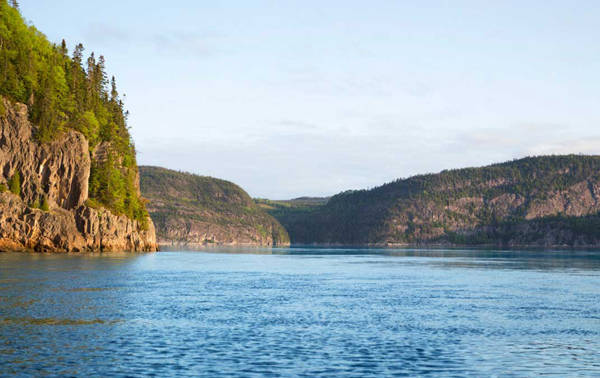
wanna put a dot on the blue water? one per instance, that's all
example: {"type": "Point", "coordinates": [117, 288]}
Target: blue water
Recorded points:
{"type": "Point", "coordinates": [306, 312]}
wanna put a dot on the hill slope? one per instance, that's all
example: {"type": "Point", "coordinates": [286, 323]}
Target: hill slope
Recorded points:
{"type": "Point", "coordinates": [551, 200]}
{"type": "Point", "coordinates": [195, 210]}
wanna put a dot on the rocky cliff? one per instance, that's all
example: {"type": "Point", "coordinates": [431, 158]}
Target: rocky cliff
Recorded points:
{"type": "Point", "coordinates": [538, 201]}
{"type": "Point", "coordinates": [191, 211]}
{"type": "Point", "coordinates": [48, 212]}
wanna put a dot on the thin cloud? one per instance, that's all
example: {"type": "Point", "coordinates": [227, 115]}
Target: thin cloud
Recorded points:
{"type": "Point", "coordinates": [171, 42]}
{"type": "Point", "coordinates": [184, 43]}
{"type": "Point", "coordinates": [103, 34]}
{"type": "Point", "coordinates": [312, 80]}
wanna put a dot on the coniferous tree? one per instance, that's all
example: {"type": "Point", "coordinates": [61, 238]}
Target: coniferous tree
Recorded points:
{"type": "Point", "coordinates": [78, 88]}
{"type": "Point", "coordinates": [78, 55]}
{"type": "Point", "coordinates": [100, 74]}
{"type": "Point", "coordinates": [114, 95]}
{"type": "Point", "coordinates": [63, 47]}
{"type": "Point", "coordinates": [90, 83]}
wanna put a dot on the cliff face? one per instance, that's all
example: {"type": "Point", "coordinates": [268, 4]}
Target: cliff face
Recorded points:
{"type": "Point", "coordinates": [191, 211]}
{"type": "Point", "coordinates": [55, 173]}
{"type": "Point", "coordinates": [542, 201]}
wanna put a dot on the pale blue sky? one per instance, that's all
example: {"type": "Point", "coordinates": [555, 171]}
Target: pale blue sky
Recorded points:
{"type": "Point", "coordinates": [291, 98]}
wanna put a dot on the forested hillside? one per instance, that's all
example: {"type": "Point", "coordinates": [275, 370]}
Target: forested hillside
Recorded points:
{"type": "Point", "coordinates": [551, 200]}
{"type": "Point", "coordinates": [294, 211]}
{"type": "Point", "coordinates": [65, 91]}
{"type": "Point", "coordinates": [195, 210]}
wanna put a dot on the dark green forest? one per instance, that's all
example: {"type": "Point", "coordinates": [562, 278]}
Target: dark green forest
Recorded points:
{"type": "Point", "coordinates": [181, 195]}
{"type": "Point", "coordinates": [428, 208]}
{"type": "Point", "coordinates": [69, 91]}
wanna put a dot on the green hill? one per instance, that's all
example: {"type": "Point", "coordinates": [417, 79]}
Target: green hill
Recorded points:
{"type": "Point", "coordinates": [188, 209]}
{"type": "Point", "coordinates": [548, 200]}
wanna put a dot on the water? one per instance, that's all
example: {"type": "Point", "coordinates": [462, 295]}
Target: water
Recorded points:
{"type": "Point", "coordinates": [306, 312]}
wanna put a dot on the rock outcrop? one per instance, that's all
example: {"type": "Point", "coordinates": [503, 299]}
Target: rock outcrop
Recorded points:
{"type": "Point", "coordinates": [57, 174]}
{"type": "Point", "coordinates": [191, 211]}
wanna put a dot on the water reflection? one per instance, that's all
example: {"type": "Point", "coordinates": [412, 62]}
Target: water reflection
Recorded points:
{"type": "Point", "coordinates": [536, 259]}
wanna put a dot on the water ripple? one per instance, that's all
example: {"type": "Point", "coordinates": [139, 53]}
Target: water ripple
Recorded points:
{"type": "Point", "coordinates": [311, 314]}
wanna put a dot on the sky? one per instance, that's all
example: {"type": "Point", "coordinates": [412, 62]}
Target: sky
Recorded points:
{"type": "Point", "coordinates": [313, 97]}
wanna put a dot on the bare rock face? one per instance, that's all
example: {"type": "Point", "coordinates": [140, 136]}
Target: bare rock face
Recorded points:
{"type": "Point", "coordinates": [106, 231]}
{"type": "Point", "coordinates": [465, 216]}
{"type": "Point", "coordinates": [23, 228]}
{"type": "Point", "coordinates": [181, 232]}
{"type": "Point", "coordinates": [580, 199]}
{"type": "Point", "coordinates": [58, 171]}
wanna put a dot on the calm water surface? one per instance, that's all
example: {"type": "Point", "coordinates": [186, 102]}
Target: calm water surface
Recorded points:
{"type": "Point", "coordinates": [309, 312]}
